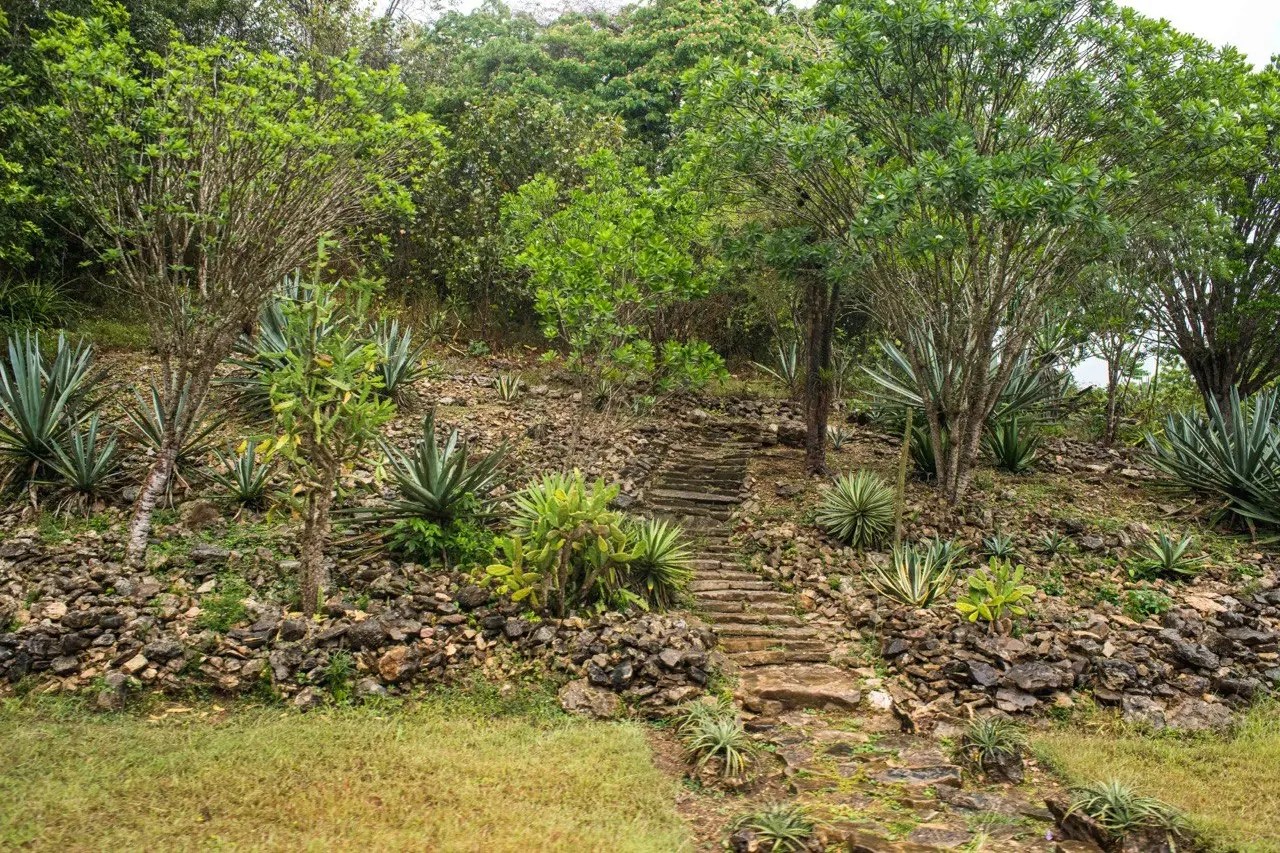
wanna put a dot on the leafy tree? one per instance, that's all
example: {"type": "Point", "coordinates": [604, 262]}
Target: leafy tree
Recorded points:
{"type": "Point", "coordinates": [327, 406]}
{"type": "Point", "coordinates": [1217, 294]}
{"type": "Point", "coordinates": [1117, 328]}
{"type": "Point", "coordinates": [963, 161]}
{"type": "Point", "coordinates": [208, 174]}
{"type": "Point", "coordinates": [606, 262]}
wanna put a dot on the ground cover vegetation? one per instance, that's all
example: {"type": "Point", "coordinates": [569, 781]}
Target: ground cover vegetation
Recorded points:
{"type": "Point", "coordinates": [352, 350]}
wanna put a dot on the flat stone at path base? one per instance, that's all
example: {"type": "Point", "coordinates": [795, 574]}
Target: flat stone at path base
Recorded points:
{"type": "Point", "coordinates": [772, 688]}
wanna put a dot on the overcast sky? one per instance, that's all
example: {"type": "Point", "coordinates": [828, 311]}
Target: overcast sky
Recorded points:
{"type": "Point", "coordinates": [1251, 25]}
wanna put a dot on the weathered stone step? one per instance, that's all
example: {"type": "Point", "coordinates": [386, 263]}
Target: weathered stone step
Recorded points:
{"type": "Point", "coordinates": [727, 573]}
{"type": "Point", "coordinates": [740, 622]}
{"type": "Point", "coordinates": [757, 596]}
{"type": "Point", "coordinates": [732, 645]}
{"type": "Point", "coordinates": [723, 608]}
{"type": "Point", "coordinates": [777, 657]}
{"type": "Point", "coordinates": [697, 497]}
{"type": "Point", "coordinates": [769, 689]}
{"type": "Point", "coordinates": [774, 632]}
{"type": "Point", "coordinates": [738, 586]}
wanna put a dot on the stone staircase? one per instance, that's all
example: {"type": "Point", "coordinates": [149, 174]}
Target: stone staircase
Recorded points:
{"type": "Point", "coordinates": [780, 658]}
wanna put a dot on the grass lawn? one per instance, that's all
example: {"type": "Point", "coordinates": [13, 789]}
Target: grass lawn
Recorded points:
{"type": "Point", "coordinates": [435, 776]}
{"type": "Point", "coordinates": [1230, 788]}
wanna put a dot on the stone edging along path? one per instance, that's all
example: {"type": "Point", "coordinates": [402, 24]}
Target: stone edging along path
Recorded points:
{"type": "Point", "coordinates": [780, 659]}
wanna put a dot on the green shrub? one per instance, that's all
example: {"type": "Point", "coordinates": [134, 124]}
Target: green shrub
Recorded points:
{"type": "Point", "coordinates": [458, 542]}
{"type": "Point", "coordinates": [916, 577]}
{"type": "Point", "coordinates": [1119, 809]}
{"type": "Point", "coordinates": [1143, 602]}
{"type": "Point", "coordinates": [1165, 556]}
{"type": "Point", "coordinates": [858, 509]}
{"type": "Point", "coordinates": [222, 610]}
{"type": "Point", "coordinates": [438, 483]}
{"type": "Point", "coordinates": [663, 565]}
{"type": "Point", "coordinates": [1012, 447]}
{"type": "Point", "coordinates": [33, 303]}
{"type": "Point", "coordinates": [1054, 543]}
{"type": "Point", "coordinates": [946, 551]}
{"type": "Point", "coordinates": [922, 455]}
{"type": "Point", "coordinates": [713, 733]}
{"type": "Point", "coordinates": [995, 592]}
{"type": "Point", "coordinates": [779, 828]}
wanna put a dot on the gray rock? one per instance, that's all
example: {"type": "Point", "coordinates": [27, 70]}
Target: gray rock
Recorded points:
{"type": "Point", "coordinates": [162, 649]}
{"type": "Point", "coordinates": [368, 634]}
{"type": "Point", "coordinates": [580, 697]}
{"type": "Point", "coordinates": [1037, 677]}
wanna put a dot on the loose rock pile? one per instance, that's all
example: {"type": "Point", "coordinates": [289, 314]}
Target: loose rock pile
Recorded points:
{"type": "Point", "coordinates": [75, 620]}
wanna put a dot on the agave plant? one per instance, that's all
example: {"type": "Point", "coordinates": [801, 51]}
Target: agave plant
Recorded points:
{"type": "Point", "coordinates": [780, 827]}
{"type": "Point", "coordinates": [148, 417]}
{"type": "Point", "coordinates": [1233, 456]}
{"type": "Point", "coordinates": [244, 475]}
{"type": "Point", "coordinates": [439, 483]}
{"type": "Point", "coordinates": [857, 509]}
{"type": "Point", "coordinates": [1119, 809]}
{"type": "Point", "coordinates": [947, 551]}
{"type": "Point", "coordinates": [837, 437]}
{"type": "Point", "coordinates": [922, 455]}
{"type": "Point", "coordinates": [1012, 447]}
{"type": "Point", "coordinates": [400, 362]}
{"type": "Point", "coordinates": [508, 385]}
{"type": "Point", "coordinates": [663, 563]}
{"type": "Point", "coordinates": [1000, 546]}
{"type": "Point", "coordinates": [40, 400]}
{"type": "Point", "coordinates": [916, 577]}
{"type": "Point", "coordinates": [714, 733]}
{"type": "Point", "coordinates": [1054, 543]}
{"type": "Point", "coordinates": [1167, 557]}
{"type": "Point", "coordinates": [786, 365]}
{"type": "Point", "coordinates": [993, 745]}
{"type": "Point", "coordinates": [83, 463]}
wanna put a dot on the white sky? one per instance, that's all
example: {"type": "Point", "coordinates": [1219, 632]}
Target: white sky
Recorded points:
{"type": "Point", "coordinates": [1253, 26]}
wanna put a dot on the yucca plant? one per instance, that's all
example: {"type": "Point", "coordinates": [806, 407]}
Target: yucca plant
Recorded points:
{"type": "Point", "coordinates": [148, 417]}
{"type": "Point", "coordinates": [1165, 556]}
{"type": "Point", "coordinates": [508, 385]}
{"type": "Point", "coordinates": [857, 509]}
{"type": "Point", "coordinates": [84, 461]}
{"type": "Point", "coordinates": [999, 546]}
{"type": "Point", "coordinates": [439, 483]}
{"type": "Point", "coordinates": [663, 564]}
{"type": "Point", "coordinates": [1233, 456]}
{"type": "Point", "coordinates": [1119, 809]}
{"type": "Point", "coordinates": [1012, 447]}
{"type": "Point", "coordinates": [779, 828]}
{"type": "Point", "coordinates": [244, 474]}
{"type": "Point", "coordinates": [786, 365]}
{"type": "Point", "coordinates": [399, 360]}
{"type": "Point", "coordinates": [916, 577]}
{"type": "Point", "coordinates": [40, 400]}
{"type": "Point", "coordinates": [837, 437]}
{"type": "Point", "coordinates": [714, 733]}
{"type": "Point", "coordinates": [992, 745]}
{"type": "Point", "coordinates": [947, 551]}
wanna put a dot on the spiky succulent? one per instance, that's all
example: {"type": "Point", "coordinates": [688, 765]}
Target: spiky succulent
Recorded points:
{"type": "Point", "coordinates": [857, 509]}
{"type": "Point", "coordinates": [916, 577]}
{"type": "Point", "coordinates": [438, 482]}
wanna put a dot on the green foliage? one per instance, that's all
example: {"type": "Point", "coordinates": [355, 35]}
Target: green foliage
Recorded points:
{"type": "Point", "coordinates": [438, 482]}
{"type": "Point", "coordinates": [780, 827]}
{"type": "Point", "coordinates": [604, 261]}
{"type": "Point", "coordinates": [1232, 456]}
{"type": "Point", "coordinates": [85, 464]}
{"type": "Point", "coordinates": [150, 420]}
{"type": "Point", "coordinates": [508, 385]}
{"type": "Point", "coordinates": [922, 454]}
{"type": "Point", "coordinates": [339, 672]}
{"type": "Point", "coordinates": [999, 546]}
{"type": "Point", "coordinates": [947, 551]}
{"type": "Point", "coordinates": [40, 399]}
{"type": "Point", "coordinates": [1141, 603]}
{"type": "Point", "coordinates": [32, 302]}
{"type": "Point", "coordinates": [994, 593]}
{"type": "Point", "coordinates": [1165, 556]}
{"type": "Point", "coordinates": [914, 576]}
{"type": "Point", "coordinates": [663, 565]}
{"type": "Point", "coordinates": [1013, 448]}
{"type": "Point", "coordinates": [1054, 543]}
{"type": "Point", "coordinates": [786, 366]}
{"type": "Point", "coordinates": [400, 362]}
{"type": "Point", "coordinates": [244, 475]}
{"type": "Point", "coordinates": [989, 742]}
{"type": "Point", "coordinates": [837, 437]}
{"type": "Point", "coordinates": [713, 732]}
{"type": "Point", "coordinates": [224, 609]}
{"type": "Point", "coordinates": [857, 509]}
{"type": "Point", "coordinates": [1119, 809]}
{"type": "Point", "coordinates": [457, 541]}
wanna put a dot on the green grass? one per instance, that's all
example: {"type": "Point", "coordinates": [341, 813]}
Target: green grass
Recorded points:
{"type": "Point", "coordinates": [1229, 787]}
{"type": "Point", "coordinates": [446, 775]}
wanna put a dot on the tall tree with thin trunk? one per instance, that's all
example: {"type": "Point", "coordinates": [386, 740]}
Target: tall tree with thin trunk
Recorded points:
{"type": "Point", "coordinates": [209, 173]}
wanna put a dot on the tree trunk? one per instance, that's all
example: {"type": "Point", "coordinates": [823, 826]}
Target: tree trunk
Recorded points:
{"type": "Point", "coordinates": [821, 320]}
{"type": "Point", "coordinates": [1112, 415]}
{"type": "Point", "coordinates": [153, 487]}
{"type": "Point", "coordinates": [315, 532]}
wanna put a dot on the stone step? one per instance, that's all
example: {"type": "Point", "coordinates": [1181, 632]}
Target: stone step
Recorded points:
{"type": "Point", "coordinates": [737, 586]}
{"type": "Point", "coordinates": [727, 574]}
{"type": "Point", "coordinates": [756, 596]}
{"type": "Point", "coordinates": [755, 644]}
{"type": "Point", "coordinates": [772, 688]}
{"type": "Point", "coordinates": [740, 622]}
{"type": "Point", "coordinates": [697, 497]}
{"type": "Point", "coordinates": [772, 632]}
{"type": "Point", "coordinates": [723, 608]}
{"type": "Point", "coordinates": [776, 657]}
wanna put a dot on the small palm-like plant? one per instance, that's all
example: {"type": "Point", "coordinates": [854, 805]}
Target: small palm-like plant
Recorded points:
{"type": "Point", "coordinates": [1165, 556]}
{"type": "Point", "coordinates": [40, 400]}
{"type": "Point", "coordinates": [999, 546]}
{"type": "Point", "coordinates": [1012, 447]}
{"type": "Point", "coordinates": [786, 365]}
{"type": "Point", "coordinates": [662, 566]}
{"type": "Point", "coordinates": [714, 733]}
{"type": "Point", "coordinates": [916, 577]}
{"type": "Point", "coordinates": [1119, 809]}
{"type": "Point", "coordinates": [244, 475]}
{"type": "Point", "coordinates": [399, 361]}
{"type": "Point", "coordinates": [779, 828]}
{"type": "Point", "coordinates": [1054, 543]}
{"type": "Point", "coordinates": [84, 464]}
{"type": "Point", "coordinates": [858, 509]}
{"type": "Point", "coordinates": [992, 745]}
{"type": "Point", "coordinates": [508, 385]}
{"type": "Point", "coordinates": [994, 593]}
{"type": "Point", "coordinates": [439, 483]}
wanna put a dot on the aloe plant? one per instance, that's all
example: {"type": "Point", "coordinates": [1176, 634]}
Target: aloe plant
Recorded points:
{"type": "Point", "coordinates": [916, 577]}
{"type": "Point", "coordinates": [1011, 445]}
{"type": "Point", "coordinates": [244, 475]}
{"type": "Point", "coordinates": [1168, 557]}
{"type": "Point", "coordinates": [508, 385]}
